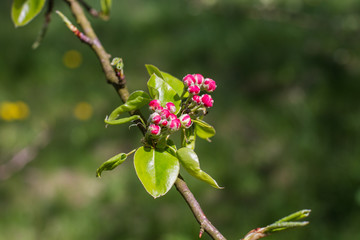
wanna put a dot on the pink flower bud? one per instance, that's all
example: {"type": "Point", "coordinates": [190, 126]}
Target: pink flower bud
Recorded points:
{"type": "Point", "coordinates": [164, 123]}
{"type": "Point", "coordinates": [194, 89]}
{"type": "Point", "coordinates": [155, 118]}
{"type": "Point", "coordinates": [175, 125]}
{"type": "Point", "coordinates": [165, 113]}
{"type": "Point", "coordinates": [154, 129]}
{"type": "Point", "coordinates": [172, 116]}
{"type": "Point", "coordinates": [154, 104]}
{"type": "Point", "coordinates": [209, 85]}
{"type": "Point", "coordinates": [196, 99]}
{"type": "Point", "coordinates": [199, 79]}
{"type": "Point", "coordinates": [207, 100]}
{"type": "Point", "coordinates": [185, 120]}
{"type": "Point", "coordinates": [159, 110]}
{"type": "Point", "coordinates": [189, 80]}
{"type": "Point", "coordinates": [171, 107]}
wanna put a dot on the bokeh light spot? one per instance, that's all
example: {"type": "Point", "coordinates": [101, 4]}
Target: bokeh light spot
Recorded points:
{"type": "Point", "coordinates": [72, 59]}
{"type": "Point", "coordinates": [83, 111]}
{"type": "Point", "coordinates": [10, 111]}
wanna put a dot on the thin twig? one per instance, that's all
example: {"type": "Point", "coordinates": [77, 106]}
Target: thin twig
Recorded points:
{"type": "Point", "coordinates": [180, 184]}
{"type": "Point", "coordinates": [45, 25]}
{"type": "Point", "coordinates": [93, 12]}
{"type": "Point", "coordinates": [103, 56]}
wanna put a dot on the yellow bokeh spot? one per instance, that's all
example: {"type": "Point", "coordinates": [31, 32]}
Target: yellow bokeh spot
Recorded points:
{"type": "Point", "coordinates": [10, 111]}
{"type": "Point", "coordinates": [72, 59]}
{"type": "Point", "coordinates": [83, 111]}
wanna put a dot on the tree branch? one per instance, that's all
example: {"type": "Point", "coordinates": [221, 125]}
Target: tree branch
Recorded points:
{"type": "Point", "coordinates": [205, 224]}
{"type": "Point", "coordinates": [120, 87]}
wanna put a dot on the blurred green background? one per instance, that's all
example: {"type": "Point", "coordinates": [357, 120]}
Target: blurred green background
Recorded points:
{"type": "Point", "coordinates": [286, 111]}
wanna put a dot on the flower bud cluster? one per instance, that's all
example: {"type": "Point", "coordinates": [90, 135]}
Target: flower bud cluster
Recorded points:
{"type": "Point", "coordinates": [196, 83]}
{"type": "Point", "coordinates": [164, 118]}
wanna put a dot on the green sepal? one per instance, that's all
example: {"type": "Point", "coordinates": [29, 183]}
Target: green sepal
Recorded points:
{"type": "Point", "coordinates": [190, 161]}
{"type": "Point", "coordinates": [135, 101]}
{"type": "Point", "coordinates": [203, 129]}
{"type": "Point", "coordinates": [156, 169]}
{"type": "Point", "coordinates": [163, 91]}
{"type": "Point", "coordinates": [188, 137]}
{"type": "Point", "coordinates": [111, 163]}
{"type": "Point", "coordinates": [23, 11]}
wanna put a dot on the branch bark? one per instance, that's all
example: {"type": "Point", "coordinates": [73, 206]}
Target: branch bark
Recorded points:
{"type": "Point", "coordinates": [121, 89]}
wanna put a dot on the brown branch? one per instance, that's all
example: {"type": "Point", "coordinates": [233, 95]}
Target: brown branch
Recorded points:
{"type": "Point", "coordinates": [120, 86]}
{"type": "Point", "coordinates": [93, 12]}
{"type": "Point", "coordinates": [205, 224]}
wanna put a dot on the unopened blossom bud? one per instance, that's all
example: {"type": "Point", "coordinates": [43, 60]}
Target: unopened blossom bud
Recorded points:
{"type": "Point", "coordinates": [159, 110]}
{"type": "Point", "coordinates": [209, 85]}
{"type": "Point", "coordinates": [154, 104]}
{"type": "Point", "coordinates": [207, 100]}
{"type": "Point", "coordinates": [154, 130]}
{"type": "Point", "coordinates": [155, 118]}
{"type": "Point", "coordinates": [185, 120]}
{"type": "Point", "coordinates": [171, 107]}
{"type": "Point", "coordinates": [196, 99]}
{"type": "Point", "coordinates": [165, 113]}
{"type": "Point", "coordinates": [194, 89]}
{"type": "Point", "coordinates": [172, 116]}
{"type": "Point", "coordinates": [175, 125]}
{"type": "Point", "coordinates": [164, 123]}
{"type": "Point", "coordinates": [199, 79]}
{"type": "Point", "coordinates": [189, 80]}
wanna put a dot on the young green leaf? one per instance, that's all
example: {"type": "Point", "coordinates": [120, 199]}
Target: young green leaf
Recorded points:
{"type": "Point", "coordinates": [175, 83]}
{"type": "Point", "coordinates": [123, 120]}
{"type": "Point", "coordinates": [152, 69]}
{"type": "Point", "coordinates": [105, 7]}
{"type": "Point", "coordinates": [23, 11]}
{"type": "Point", "coordinates": [190, 161]}
{"type": "Point", "coordinates": [111, 163]}
{"type": "Point", "coordinates": [156, 169]}
{"type": "Point", "coordinates": [203, 129]}
{"type": "Point", "coordinates": [135, 101]}
{"type": "Point", "coordinates": [295, 216]}
{"type": "Point", "coordinates": [160, 89]}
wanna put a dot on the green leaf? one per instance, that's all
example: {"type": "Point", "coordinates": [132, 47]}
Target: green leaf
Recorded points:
{"type": "Point", "coordinates": [111, 163]}
{"type": "Point", "coordinates": [295, 216]}
{"type": "Point", "coordinates": [190, 161]}
{"type": "Point", "coordinates": [160, 89]}
{"type": "Point", "coordinates": [123, 120]}
{"type": "Point", "coordinates": [105, 7]}
{"type": "Point", "coordinates": [152, 69]}
{"type": "Point", "coordinates": [203, 129]}
{"type": "Point", "coordinates": [156, 169]}
{"type": "Point", "coordinates": [174, 82]}
{"type": "Point", "coordinates": [135, 101]}
{"type": "Point", "coordinates": [23, 11]}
